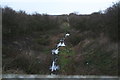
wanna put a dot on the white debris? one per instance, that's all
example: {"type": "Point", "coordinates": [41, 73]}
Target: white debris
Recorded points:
{"type": "Point", "coordinates": [61, 40]}
{"type": "Point", "coordinates": [59, 44]}
{"type": "Point", "coordinates": [54, 67]}
{"type": "Point", "coordinates": [63, 44]}
{"type": "Point", "coordinates": [55, 51]}
{"type": "Point", "coordinates": [67, 34]}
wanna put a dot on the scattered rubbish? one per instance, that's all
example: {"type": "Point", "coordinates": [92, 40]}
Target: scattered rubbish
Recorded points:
{"type": "Point", "coordinates": [67, 34]}
{"type": "Point", "coordinates": [59, 44]}
{"type": "Point", "coordinates": [63, 44]}
{"type": "Point", "coordinates": [55, 52]}
{"type": "Point", "coordinates": [54, 66]}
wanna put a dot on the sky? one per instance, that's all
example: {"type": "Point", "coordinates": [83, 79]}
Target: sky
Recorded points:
{"type": "Point", "coordinates": [57, 7]}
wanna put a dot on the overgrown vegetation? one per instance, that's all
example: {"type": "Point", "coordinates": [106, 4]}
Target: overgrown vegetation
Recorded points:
{"type": "Point", "coordinates": [92, 46]}
{"type": "Point", "coordinates": [65, 59]}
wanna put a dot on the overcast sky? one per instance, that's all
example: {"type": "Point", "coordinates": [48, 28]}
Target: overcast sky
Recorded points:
{"type": "Point", "coordinates": [56, 7]}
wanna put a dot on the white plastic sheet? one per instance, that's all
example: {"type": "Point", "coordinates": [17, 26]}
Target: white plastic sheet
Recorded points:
{"type": "Point", "coordinates": [54, 67]}
{"type": "Point", "coordinates": [63, 44]}
{"type": "Point", "coordinates": [59, 44]}
{"type": "Point", "coordinates": [55, 51]}
{"type": "Point", "coordinates": [67, 34]}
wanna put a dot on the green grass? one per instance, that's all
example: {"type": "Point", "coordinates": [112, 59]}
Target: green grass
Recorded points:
{"type": "Point", "coordinates": [65, 59]}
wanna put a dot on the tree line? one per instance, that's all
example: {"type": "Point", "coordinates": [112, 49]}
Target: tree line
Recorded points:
{"type": "Point", "coordinates": [19, 23]}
